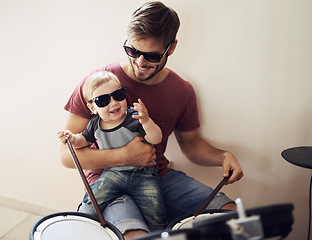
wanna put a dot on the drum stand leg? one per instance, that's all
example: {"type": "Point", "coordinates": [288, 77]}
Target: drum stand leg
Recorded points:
{"type": "Point", "coordinates": [245, 228]}
{"type": "Point", "coordinates": [310, 192]}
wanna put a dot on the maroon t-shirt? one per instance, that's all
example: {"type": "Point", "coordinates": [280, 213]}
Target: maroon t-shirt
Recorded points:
{"type": "Point", "coordinates": [171, 104]}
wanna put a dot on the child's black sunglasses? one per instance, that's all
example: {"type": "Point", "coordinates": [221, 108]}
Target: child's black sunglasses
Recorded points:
{"type": "Point", "coordinates": [104, 100]}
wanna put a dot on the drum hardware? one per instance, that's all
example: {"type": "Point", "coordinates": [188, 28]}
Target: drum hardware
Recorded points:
{"type": "Point", "coordinates": [245, 228]}
{"type": "Point", "coordinates": [301, 156]}
{"type": "Point", "coordinates": [276, 221]}
{"type": "Point", "coordinates": [75, 225]}
{"type": "Point", "coordinates": [185, 222]}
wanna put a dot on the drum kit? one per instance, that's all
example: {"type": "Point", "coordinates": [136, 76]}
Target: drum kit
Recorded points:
{"type": "Point", "coordinates": [250, 224]}
{"type": "Point", "coordinates": [253, 224]}
{"type": "Point", "coordinates": [75, 225]}
{"type": "Point", "coordinates": [72, 225]}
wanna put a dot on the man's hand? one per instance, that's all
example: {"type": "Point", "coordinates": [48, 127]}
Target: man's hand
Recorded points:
{"type": "Point", "coordinates": [201, 152]}
{"type": "Point", "coordinates": [230, 163]}
{"type": "Point", "coordinates": [141, 154]}
{"type": "Point", "coordinates": [136, 153]}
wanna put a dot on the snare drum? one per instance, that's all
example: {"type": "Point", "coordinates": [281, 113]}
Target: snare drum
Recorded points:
{"type": "Point", "coordinates": [276, 221]}
{"type": "Point", "coordinates": [72, 225]}
{"type": "Point", "coordinates": [186, 222]}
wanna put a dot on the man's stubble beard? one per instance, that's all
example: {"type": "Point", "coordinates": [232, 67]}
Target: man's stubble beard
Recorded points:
{"type": "Point", "coordinates": [157, 70]}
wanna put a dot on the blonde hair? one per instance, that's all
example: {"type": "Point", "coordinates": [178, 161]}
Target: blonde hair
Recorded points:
{"type": "Point", "coordinates": [95, 80]}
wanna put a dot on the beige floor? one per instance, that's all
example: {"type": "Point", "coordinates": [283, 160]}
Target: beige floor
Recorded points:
{"type": "Point", "coordinates": [16, 224]}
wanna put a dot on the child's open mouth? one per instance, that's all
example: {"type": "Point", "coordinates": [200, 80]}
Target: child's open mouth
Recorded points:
{"type": "Point", "coordinates": [115, 110]}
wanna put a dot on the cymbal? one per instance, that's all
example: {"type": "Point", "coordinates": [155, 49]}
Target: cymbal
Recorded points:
{"type": "Point", "coordinates": [300, 156]}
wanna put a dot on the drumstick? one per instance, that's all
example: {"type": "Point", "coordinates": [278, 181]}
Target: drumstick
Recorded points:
{"type": "Point", "coordinates": [84, 179]}
{"type": "Point", "coordinates": [212, 195]}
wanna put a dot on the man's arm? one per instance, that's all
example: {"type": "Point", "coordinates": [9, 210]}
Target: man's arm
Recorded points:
{"type": "Point", "coordinates": [136, 153]}
{"type": "Point", "coordinates": [201, 152]}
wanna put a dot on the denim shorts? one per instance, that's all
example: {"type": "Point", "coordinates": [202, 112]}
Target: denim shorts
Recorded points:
{"type": "Point", "coordinates": [141, 184]}
{"type": "Point", "coordinates": [182, 195]}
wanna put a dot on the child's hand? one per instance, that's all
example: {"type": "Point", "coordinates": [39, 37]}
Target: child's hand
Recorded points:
{"type": "Point", "coordinates": [65, 135]}
{"type": "Point", "coordinates": [142, 111]}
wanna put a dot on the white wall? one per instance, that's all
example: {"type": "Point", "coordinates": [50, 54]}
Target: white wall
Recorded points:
{"type": "Point", "coordinates": [249, 61]}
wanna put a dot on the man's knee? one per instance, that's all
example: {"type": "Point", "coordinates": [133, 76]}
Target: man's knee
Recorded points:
{"type": "Point", "coordinates": [133, 234]}
{"type": "Point", "coordinates": [229, 206]}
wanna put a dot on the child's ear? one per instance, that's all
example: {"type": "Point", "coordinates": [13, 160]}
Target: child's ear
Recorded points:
{"type": "Point", "coordinates": [91, 107]}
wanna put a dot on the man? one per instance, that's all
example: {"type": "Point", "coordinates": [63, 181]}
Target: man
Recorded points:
{"type": "Point", "coordinates": [151, 39]}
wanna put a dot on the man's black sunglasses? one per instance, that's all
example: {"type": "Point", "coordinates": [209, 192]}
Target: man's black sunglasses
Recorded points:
{"type": "Point", "coordinates": [149, 56]}
{"type": "Point", "coordinates": [104, 100]}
